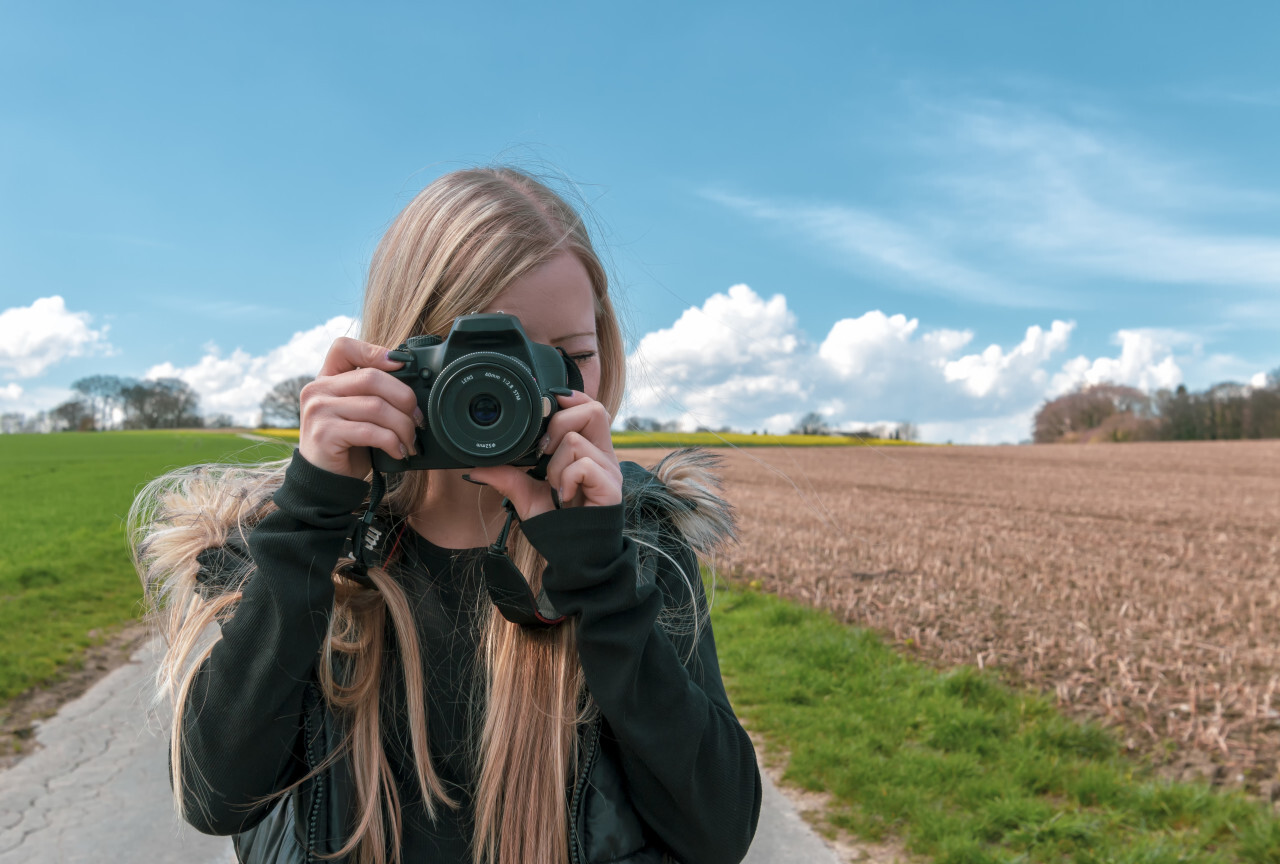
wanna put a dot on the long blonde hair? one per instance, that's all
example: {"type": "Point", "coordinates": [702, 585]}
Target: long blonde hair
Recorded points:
{"type": "Point", "coordinates": [457, 245]}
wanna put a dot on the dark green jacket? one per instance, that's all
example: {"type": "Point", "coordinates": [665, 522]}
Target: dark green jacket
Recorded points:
{"type": "Point", "coordinates": [667, 773]}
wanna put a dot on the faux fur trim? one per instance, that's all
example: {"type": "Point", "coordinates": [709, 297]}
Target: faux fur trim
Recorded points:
{"type": "Point", "coordinates": [684, 487]}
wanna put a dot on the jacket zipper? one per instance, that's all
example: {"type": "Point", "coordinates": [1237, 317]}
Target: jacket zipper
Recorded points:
{"type": "Point", "coordinates": [576, 852]}
{"type": "Point", "coordinates": [317, 787]}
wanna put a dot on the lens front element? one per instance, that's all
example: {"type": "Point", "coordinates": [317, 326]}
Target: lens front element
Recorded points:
{"type": "Point", "coordinates": [485, 409]}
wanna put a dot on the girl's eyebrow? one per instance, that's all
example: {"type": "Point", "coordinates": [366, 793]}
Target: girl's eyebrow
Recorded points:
{"type": "Point", "coordinates": [590, 333]}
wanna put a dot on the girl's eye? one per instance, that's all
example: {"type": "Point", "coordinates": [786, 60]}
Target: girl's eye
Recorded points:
{"type": "Point", "coordinates": [582, 358]}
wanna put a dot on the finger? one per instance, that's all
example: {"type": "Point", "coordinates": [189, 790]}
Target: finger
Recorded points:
{"type": "Point", "coordinates": [589, 419]}
{"type": "Point", "coordinates": [574, 447]}
{"type": "Point", "coordinates": [530, 497]}
{"type": "Point", "coordinates": [346, 354]}
{"type": "Point", "coordinates": [367, 381]}
{"type": "Point", "coordinates": [366, 409]}
{"type": "Point", "coordinates": [336, 436]}
{"type": "Point", "coordinates": [586, 483]}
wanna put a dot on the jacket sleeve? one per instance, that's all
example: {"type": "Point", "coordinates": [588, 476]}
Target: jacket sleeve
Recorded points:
{"type": "Point", "coordinates": [689, 765]}
{"type": "Point", "coordinates": [241, 727]}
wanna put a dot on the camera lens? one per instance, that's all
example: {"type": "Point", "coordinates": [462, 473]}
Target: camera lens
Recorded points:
{"type": "Point", "coordinates": [485, 410]}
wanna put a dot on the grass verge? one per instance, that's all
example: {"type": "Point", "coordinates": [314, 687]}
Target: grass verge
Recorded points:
{"type": "Point", "coordinates": [65, 576]}
{"type": "Point", "coordinates": [959, 767]}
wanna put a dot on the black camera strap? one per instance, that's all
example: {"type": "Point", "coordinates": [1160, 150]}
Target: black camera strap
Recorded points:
{"type": "Point", "coordinates": [366, 546]}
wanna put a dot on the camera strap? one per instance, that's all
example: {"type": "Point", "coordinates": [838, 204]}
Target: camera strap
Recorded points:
{"type": "Point", "coordinates": [509, 590]}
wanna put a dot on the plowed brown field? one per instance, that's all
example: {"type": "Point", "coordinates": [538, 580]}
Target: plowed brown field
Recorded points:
{"type": "Point", "coordinates": [1138, 582]}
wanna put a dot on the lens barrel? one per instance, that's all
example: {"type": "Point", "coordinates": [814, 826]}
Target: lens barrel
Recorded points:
{"type": "Point", "coordinates": [485, 409]}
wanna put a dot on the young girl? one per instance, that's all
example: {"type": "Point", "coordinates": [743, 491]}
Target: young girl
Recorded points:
{"type": "Point", "coordinates": [399, 716]}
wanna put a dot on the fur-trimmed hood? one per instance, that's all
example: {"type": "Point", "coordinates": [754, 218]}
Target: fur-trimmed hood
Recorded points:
{"type": "Point", "coordinates": [684, 487]}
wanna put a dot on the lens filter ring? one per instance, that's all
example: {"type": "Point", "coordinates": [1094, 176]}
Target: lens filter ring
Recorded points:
{"type": "Point", "coordinates": [484, 409]}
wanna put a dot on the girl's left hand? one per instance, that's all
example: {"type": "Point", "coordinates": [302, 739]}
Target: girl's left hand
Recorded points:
{"type": "Point", "coordinates": [583, 466]}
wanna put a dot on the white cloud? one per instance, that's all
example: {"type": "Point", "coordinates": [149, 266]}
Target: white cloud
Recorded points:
{"type": "Point", "coordinates": [736, 350]}
{"type": "Point", "coordinates": [235, 384]}
{"type": "Point", "coordinates": [742, 361]}
{"type": "Point", "coordinates": [35, 337]}
{"type": "Point", "coordinates": [1146, 361]}
{"type": "Point", "coordinates": [995, 369]}
{"type": "Point", "coordinates": [1258, 380]}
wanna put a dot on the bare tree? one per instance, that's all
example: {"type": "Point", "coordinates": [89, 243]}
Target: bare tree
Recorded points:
{"type": "Point", "coordinates": [282, 406]}
{"type": "Point", "coordinates": [104, 395]}
{"type": "Point", "coordinates": [811, 424]}
{"type": "Point", "coordinates": [166, 403]}
{"type": "Point", "coordinates": [74, 414]}
{"type": "Point", "coordinates": [641, 424]}
{"type": "Point", "coordinates": [1071, 416]}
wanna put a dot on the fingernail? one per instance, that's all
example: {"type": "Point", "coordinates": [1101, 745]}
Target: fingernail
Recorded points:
{"type": "Point", "coordinates": [560, 391]}
{"type": "Point", "coordinates": [467, 477]}
{"type": "Point", "coordinates": [417, 416]}
{"type": "Point", "coordinates": [404, 454]}
{"type": "Point", "coordinates": [544, 444]}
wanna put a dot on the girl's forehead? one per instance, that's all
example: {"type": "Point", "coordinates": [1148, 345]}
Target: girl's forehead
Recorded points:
{"type": "Point", "coordinates": [552, 301]}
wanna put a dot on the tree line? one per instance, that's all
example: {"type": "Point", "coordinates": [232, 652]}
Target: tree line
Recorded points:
{"type": "Point", "coordinates": [1114, 412]}
{"type": "Point", "coordinates": [812, 423]}
{"type": "Point", "coordinates": [105, 402]}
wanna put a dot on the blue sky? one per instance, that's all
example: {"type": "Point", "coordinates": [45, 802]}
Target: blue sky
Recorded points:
{"type": "Point", "coordinates": [942, 213]}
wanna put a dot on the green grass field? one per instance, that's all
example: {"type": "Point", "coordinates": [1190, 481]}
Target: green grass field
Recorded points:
{"type": "Point", "coordinates": [957, 766]}
{"type": "Point", "coordinates": [64, 561]}
{"type": "Point", "coordinates": [622, 440]}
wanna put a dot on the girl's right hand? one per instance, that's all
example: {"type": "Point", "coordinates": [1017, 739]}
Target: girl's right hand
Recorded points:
{"type": "Point", "coordinates": [354, 404]}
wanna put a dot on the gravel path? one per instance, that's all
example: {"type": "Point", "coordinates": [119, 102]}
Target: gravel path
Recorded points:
{"type": "Point", "coordinates": [97, 790]}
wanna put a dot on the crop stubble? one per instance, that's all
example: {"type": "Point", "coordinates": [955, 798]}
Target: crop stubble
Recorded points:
{"type": "Point", "coordinates": [1138, 582]}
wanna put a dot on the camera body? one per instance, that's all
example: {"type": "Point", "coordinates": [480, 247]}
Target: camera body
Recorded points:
{"type": "Point", "coordinates": [484, 391]}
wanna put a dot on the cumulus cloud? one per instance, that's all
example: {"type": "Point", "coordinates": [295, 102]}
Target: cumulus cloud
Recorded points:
{"type": "Point", "coordinates": [35, 337]}
{"type": "Point", "coordinates": [235, 384]}
{"type": "Point", "coordinates": [1146, 361]}
{"type": "Point", "coordinates": [997, 370]}
{"type": "Point", "coordinates": [742, 361]}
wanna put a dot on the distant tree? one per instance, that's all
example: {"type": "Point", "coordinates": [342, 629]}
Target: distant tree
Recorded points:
{"type": "Point", "coordinates": [1071, 416]}
{"type": "Point", "coordinates": [74, 414]}
{"type": "Point", "coordinates": [908, 431]}
{"type": "Point", "coordinates": [811, 424]}
{"type": "Point", "coordinates": [641, 424]}
{"type": "Point", "coordinates": [12, 422]}
{"type": "Point", "coordinates": [220, 421]}
{"type": "Point", "coordinates": [104, 395]}
{"type": "Point", "coordinates": [282, 406]}
{"type": "Point", "coordinates": [165, 403]}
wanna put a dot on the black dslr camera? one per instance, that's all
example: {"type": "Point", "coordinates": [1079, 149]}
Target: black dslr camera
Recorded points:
{"type": "Point", "coordinates": [485, 391]}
